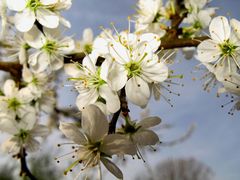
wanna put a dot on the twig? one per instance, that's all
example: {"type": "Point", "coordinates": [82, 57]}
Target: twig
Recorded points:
{"type": "Point", "coordinates": [123, 109]}
{"type": "Point", "coordinates": [24, 168]}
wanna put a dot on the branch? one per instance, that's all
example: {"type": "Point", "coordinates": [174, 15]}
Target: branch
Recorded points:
{"type": "Point", "coordinates": [24, 168]}
{"type": "Point", "coordinates": [180, 43]}
{"type": "Point", "coordinates": [14, 68]}
{"type": "Point", "coordinates": [124, 109]}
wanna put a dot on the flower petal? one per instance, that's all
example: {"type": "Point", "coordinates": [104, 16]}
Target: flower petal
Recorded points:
{"type": "Point", "coordinates": [145, 137]}
{"type": "Point", "coordinates": [117, 144]}
{"type": "Point", "coordinates": [149, 122]}
{"type": "Point", "coordinates": [47, 18]}
{"type": "Point", "coordinates": [73, 133]}
{"type": "Point", "coordinates": [94, 123]}
{"type": "Point", "coordinates": [220, 29]}
{"type": "Point", "coordinates": [48, 2]}
{"type": "Point", "coordinates": [27, 24]}
{"type": "Point", "coordinates": [112, 168]}
{"type": "Point", "coordinates": [111, 97]}
{"type": "Point", "coordinates": [9, 88]}
{"type": "Point", "coordinates": [19, 6]}
{"type": "Point", "coordinates": [137, 91]}
{"type": "Point", "coordinates": [35, 38]}
{"type": "Point", "coordinates": [208, 51]}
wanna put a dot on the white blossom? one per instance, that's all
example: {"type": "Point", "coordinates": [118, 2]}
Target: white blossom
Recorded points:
{"type": "Point", "coordinates": [222, 47]}
{"type": "Point", "coordinates": [44, 11]}
{"type": "Point", "coordinates": [50, 49]}
{"type": "Point", "coordinates": [93, 144]}
{"type": "Point", "coordinates": [90, 84]}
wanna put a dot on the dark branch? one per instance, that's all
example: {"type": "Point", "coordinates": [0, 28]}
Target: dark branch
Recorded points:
{"type": "Point", "coordinates": [14, 68]}
{"type": "Point", "coordinates": [24, 168]}
{"type": "Point", "coordinates": [180, 43]}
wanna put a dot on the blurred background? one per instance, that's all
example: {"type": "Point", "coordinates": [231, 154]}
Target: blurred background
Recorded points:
{"type": "Point", "coordinates": [213, 148]}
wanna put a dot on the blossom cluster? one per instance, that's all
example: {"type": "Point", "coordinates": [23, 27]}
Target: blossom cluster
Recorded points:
{"type": "Point", "coordinates": [220, 55]}
{"type": "Point", "coordinates": [110, 71]}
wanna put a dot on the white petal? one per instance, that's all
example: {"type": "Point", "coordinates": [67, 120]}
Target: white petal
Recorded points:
{"type": "Point", "coordinates": [89, 63]}
{"type": "Point", "coordinates": [146, 137]}
{"type": "Point", "coordinates": [117, 144]}
{"type": "Point", "coordinates": [137, 91]}
{"type": "Point", "coordinates": [220, 29]}
{"type": "Point", "coordinates": [236, 26]}
{"type": "Point", "coordinates": [35, 38]}
{"type": "Point", "coordinates": [27, 24]}
{"type": "Point", "coordinates": [88, 35]}
{"type": "Point", "coordinates": [39, 61]}
{"type": "Point", "coordinates": [72, 70]}
{"type": "Point", "coordinates": [90, 96]}
{"type": "Point", "coordinates": [117, 77]}
{"type": "Point", "coordinates": [67, 45]}
{"type": "Point", "coordinates": [40, 131]}
{"type": "Point", "coordinates": [31, 145]}
{"type": "Point", "coordinates": [94, 123]}
{"type": "Point", "coordinates": [112, 168]}
{"type": "Point", "coordinates": [57, 63]}
{"type": "Point", "coordinates": [9, 88]}
{"type": "Point", "coordinates": [71, 131]}
{"type": "Point", "coordinates": [118, 52]}
{"type": "Point", "coordinates": [47, 18]}
{"type": "Point", "coordinates": [19, 6]}
{"type": "Point", "coordinates": [11, 146]}
{"type": "Point", "coordinates": [48, 2]}
{"type": "Point", "coordinates": [111, 97]}
{"type": "Point", "coordinates": [65, 22]}
{"type": "Point", "coordinates": [7, 123]}
{"type": "Point", "coordinates": [149, 122]}
{"type": "Point", "coordinates": [208, 51]}
{"type": "Point", "coordinates": [152, 40]}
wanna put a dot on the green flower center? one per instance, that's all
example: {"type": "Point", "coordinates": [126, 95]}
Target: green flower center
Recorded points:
{"type": "Point", "coordinates": [33, 4]}
{"type": "Point", "coordinates": [14, 104]}
{"type": "Point", "coordinates": [197, 25]}
{"type": "Point", "coordinates": [50, 46]}
{"type": "Point", "coordinates": [133, 68]}
{"type": "Point", "coordinates": [227, 48]}
{"type": "Point", "coordinates": [88, 48]}
{"type": "Point", "coordinates": [22, 135]}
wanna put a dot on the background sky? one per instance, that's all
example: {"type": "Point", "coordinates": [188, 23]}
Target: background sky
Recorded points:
{"type": "Point", "coordinates": [216, 139]}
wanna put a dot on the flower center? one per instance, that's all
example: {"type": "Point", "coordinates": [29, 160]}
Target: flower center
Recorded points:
{"type": "Point", "coordinates": [33, 4]}
{"type": "Point", "coordinates": [133, 68]}
{"type": "Point", "coordinates": [22, 135]}
{"type": "Point", "coordinates": [50, 46]}
{"type": "Point", "coordinates": [88, 48]}
{"type": "Point", "coordinates": [14, 104]}
{"type": "Point", "coordinates": [227, 48]}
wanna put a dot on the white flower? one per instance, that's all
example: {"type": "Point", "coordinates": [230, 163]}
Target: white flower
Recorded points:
{"type": "Point", "coordinates": [24, 136]}
{"type": "Point", "coordinates": [223, 45]}
{"type": "Point", "coordinates": [85, 45]}
{"type": "Point", "coordinates": [32, 10]}
{"type": "Point", "coordinates": [40, 88]}
{"type": "Point", "coordinates": [50, 49]}
{"type": "Point", "coordinates": [139, 132]}
{"type": "Point", "coordinates": [148, 17]}
{"type": "Point", "coordinates": [16, 103]}
{"type": "Point", "coordinates": [36, 82]}
{"type": "Point", "coordinates": [132, 63]}
{"type": "Point", "coordinates": [91, 86]}
{"type": "Point", "coordinates": [93, 144]}
{"type": "Point", "coordinates": [195, 5]}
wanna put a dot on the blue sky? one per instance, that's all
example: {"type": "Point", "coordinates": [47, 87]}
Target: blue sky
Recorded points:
{"type": "Point", "coordinates": [216, 139]}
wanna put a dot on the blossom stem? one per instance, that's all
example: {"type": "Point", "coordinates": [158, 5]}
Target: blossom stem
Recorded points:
{"type": "Point", "coordinates": [24, 168]}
